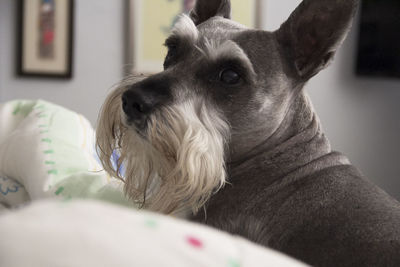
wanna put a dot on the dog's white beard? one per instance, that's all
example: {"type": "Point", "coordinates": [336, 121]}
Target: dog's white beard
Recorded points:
{"type": "Point", "coordinates": [180, 162]}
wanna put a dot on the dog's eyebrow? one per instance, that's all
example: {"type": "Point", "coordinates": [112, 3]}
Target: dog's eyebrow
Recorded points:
{"type": "Point", "coordinates": [185, 28]}
{"type": "Point", "coordinates": [226, 50]}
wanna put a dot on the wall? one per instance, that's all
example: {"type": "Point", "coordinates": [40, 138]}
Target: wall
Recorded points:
{"type": "Point", "coordinates": [98, 58]}
{"type": "Point", "coordinates": [359, 115]}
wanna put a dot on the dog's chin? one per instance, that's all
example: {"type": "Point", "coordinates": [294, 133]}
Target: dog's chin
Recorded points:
{"type": "Point", "coordinates": [174, 163]}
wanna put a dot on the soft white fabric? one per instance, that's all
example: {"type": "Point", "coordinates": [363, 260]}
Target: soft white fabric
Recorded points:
{"type": "Point", "coordinates": [48, 151]}
{"type": "Point", "coordinates": [42, 143]}
{"type": "Point", "coordinates": [83, 233]}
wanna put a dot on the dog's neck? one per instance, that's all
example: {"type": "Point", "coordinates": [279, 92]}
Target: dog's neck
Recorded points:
{"type": "Point", "coordinates": [297, 142]}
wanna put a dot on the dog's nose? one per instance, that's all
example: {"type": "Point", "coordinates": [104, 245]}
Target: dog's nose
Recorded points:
{"type": "Point", "coordinates": [135, 106]}
{"type": "Point", "coordinates": [140, 100]}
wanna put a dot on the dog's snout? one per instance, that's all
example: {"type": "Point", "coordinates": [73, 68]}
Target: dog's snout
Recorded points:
{"type": "Point", "coordinates": [139, 101]}
{"type": "Point", "coordinates": [135, 105]}
{"type": "Point", "coordinates": [131, 104]}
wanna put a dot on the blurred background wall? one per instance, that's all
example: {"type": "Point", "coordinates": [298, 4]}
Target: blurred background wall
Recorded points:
{"type": "Point", "coordinates": [360, 115]}
{"type": "Point", "coordinates": [97, 60]}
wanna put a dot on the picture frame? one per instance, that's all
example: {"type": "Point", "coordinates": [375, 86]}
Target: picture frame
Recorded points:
{"type": "Point", "coordinates": [45, 38]}
{"type": "Point", "coordinates": [150, 23]}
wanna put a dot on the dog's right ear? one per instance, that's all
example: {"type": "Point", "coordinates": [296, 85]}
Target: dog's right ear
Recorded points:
{"type": "Point", "coordinates": [206, 9]}
{"type": "Point", "coordinates": [313, 33]}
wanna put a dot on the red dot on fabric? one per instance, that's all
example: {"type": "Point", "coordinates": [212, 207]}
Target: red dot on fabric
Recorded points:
{"type": "Point", "coordinates": [194, 242]}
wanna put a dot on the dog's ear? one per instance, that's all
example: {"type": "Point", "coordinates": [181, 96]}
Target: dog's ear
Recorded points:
{"type": "Point", "coordinates": [205, 9]}
{"type": "Point", "coordinates": [313, 33]}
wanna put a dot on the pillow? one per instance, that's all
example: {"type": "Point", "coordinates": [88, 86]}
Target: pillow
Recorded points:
{"type": "Point", "coordinates": [50, 150]}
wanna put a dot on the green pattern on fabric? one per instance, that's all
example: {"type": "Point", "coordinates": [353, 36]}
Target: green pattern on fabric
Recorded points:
{"type": "Point", "coordinates": [233, 263]}
{"type": "Point", "coordinates": [22, 108]}
{"type": "Point", "coordinates": [59, 190]}
{"type": "Point", "coordinates": [62, 148]}
{"type": "Point", "coordinates": [151, 223]}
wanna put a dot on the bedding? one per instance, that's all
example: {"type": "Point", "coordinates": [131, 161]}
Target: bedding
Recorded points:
{"type": "Point", "coordinates": [59, 208]}
{"type": "Point", "coordinates": [86, 233]}
{"type": "Point", "coordinates": [48, 151]}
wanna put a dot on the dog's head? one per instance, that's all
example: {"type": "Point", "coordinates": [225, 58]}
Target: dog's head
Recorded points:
{"type": "Point", "coordinates": [224, 89]}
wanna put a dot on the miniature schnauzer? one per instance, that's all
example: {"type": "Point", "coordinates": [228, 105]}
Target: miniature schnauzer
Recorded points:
{"type": "Point", "coordinates": [227, 132]}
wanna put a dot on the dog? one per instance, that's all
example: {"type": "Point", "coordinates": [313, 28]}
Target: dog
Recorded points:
{"type": "Point", "coordinates": [228, 133]}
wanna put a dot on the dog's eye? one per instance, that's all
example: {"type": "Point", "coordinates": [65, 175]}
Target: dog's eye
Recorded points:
{"type": "Point", "coordinates": [172, 48]}
{"type": "Point", "coordinates": [175, 48]}
{"type": "Point", "coordinates": [229, 76]}
{"type": "Point", "coordinates": [172, 52]}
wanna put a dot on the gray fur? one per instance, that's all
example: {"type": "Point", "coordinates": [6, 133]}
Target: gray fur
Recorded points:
{"type": "Point", "coordinates": [287, 189]}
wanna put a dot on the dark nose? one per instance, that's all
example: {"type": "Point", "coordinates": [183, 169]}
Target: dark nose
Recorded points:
{"type": "Point", "coordinates": [134, 105]}
{"type": "Point", "coordinates": [141, 99]}
{"type": "Point", "coordinates": [137, 106]}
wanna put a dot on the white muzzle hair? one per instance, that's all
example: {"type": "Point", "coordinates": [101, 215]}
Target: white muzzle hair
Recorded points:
{"type": "Point", "coordinates": [176, 163]}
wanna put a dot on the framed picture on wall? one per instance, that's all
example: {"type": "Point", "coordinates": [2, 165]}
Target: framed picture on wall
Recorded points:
{"type": "Point", "coordinates": [45, 31]}
{"type": "Point", "coordinates": [150, 23]}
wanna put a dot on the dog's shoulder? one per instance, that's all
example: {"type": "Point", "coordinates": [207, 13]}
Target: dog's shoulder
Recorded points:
{"type": "Point", "coordinates": [339, 214]}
